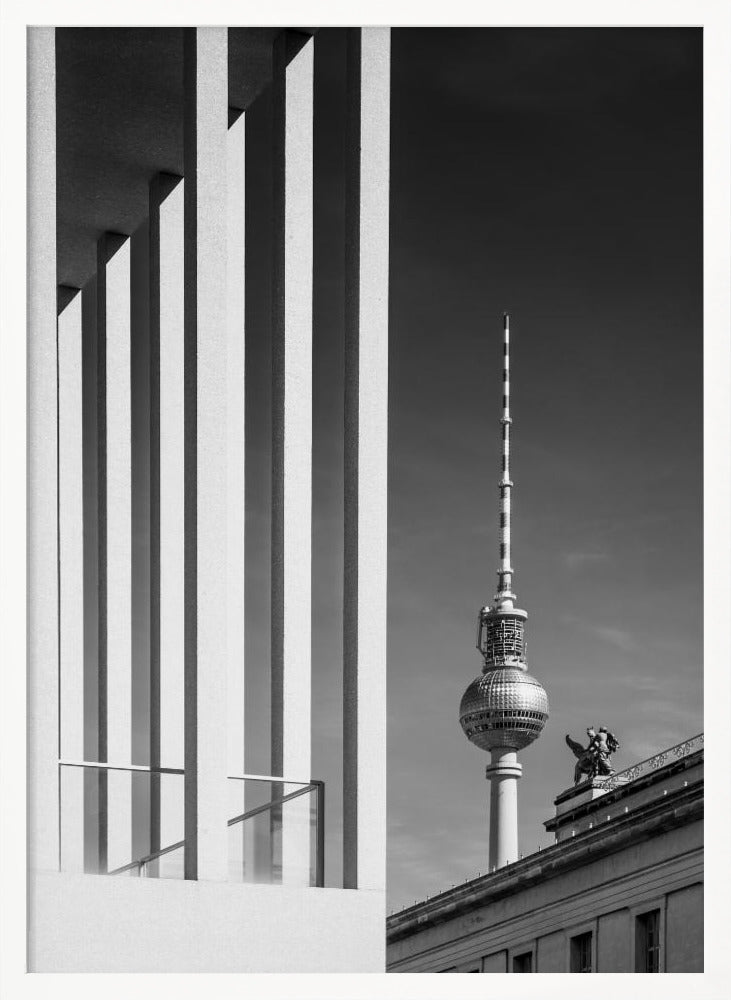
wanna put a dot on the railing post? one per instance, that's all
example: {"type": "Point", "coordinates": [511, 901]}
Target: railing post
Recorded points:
{"type": "Point", "coordinates": [320, 833]}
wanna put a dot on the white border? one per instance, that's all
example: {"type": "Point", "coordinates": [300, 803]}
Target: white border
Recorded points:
{"type": "Point", "coordinates": [714, 16]}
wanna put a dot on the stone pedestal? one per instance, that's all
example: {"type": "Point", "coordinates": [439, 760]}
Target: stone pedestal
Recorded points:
{"type": "Point", "coordinates": [586, 791]}
{"type": "Point", "coordinates": [574, 811]}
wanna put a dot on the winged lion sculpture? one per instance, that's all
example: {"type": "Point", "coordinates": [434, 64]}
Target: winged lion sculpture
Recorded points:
{"type": "Point", "coordinates": [594, 760]}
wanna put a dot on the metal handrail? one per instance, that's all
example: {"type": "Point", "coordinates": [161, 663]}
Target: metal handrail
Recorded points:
{"type": "Point", "coordinates": [120, 767]}
{"type": "Point", "coordinates": [141, 862]}
{"type": "Point", "coordinates": [271, 778]}
{"type": "Point", "coordinates": [676, 752]}
{"type": "Point", "coordinates": [178, 770]}
{"type": "Point", "coordinates": [269, 805]}
{"type": "Point", "coordinates": [319, 789]}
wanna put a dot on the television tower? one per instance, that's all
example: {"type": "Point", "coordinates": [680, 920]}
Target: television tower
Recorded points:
{"type": "Point", "coordinates": [504, 709]}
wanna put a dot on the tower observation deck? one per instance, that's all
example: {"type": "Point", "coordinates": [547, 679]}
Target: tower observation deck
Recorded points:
{"type": "Point", "coordinates": [504, 709]}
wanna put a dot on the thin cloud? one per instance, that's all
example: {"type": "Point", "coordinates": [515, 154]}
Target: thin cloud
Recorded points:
{"type": "Point", "coordinates": [619, 638]}
{"type": "Point", "coordinates": [675, 724]}
{"type": "Point", "coordinates": [641, 683]}
{"type": "Point", "coordinates": [576, 561]}
{"type": "Point", "coordinates": [616, 637]}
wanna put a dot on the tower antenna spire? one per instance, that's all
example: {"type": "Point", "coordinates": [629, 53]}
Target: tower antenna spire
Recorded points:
{"type": "Point", "coordinates": [504, 598]}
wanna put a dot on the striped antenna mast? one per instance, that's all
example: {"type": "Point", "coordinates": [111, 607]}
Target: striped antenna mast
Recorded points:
{"type": "Point", "coordinates": [505, 597]}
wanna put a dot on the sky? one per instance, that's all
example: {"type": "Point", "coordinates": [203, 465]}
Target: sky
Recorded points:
{"type": "Point", "coordinates": [556, 174]}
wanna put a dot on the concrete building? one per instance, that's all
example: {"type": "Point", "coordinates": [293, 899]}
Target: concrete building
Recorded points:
{"type": "Point", "coordinates": [151, 846]}
{"type": "Point", "coordinates": [621, 890]}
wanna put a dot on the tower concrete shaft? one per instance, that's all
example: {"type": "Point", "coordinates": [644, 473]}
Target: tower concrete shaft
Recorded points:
{"type": "Point", "coordinates": [503, 772]}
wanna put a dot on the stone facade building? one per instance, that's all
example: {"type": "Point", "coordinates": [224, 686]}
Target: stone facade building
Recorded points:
{"type": "Point", "coordinates": [621, 890]}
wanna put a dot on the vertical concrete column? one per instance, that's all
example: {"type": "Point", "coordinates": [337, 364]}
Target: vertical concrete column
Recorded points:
{"type": "Point", "coordinates": [292, 439]}
{"type": "Point", "coordinates": [167, 493]}
{"type": "Point", "coordinates": [90, 448]}
{"type": "Point", "coordinates": [71, 581]}
{"type": "Point", "coordinates": [503, 773]}
{"type": "Point", "coordinates": [206, 122]}
{"type": "Point", "coordinates": [42, 581]}
{"type": "Point", "coordinates": [140, 530]}
{"type": "Point", "coordinates": [366, 423]}
{"type": "Point", "coordinates": [101, 547]}
{"type": "Point", "coordinates": [235, 401]}
{"type": "Point", "coordinates": [117, 546]}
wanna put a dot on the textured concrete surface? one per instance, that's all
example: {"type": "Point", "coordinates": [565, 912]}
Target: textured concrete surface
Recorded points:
{"type": "Point", "coordinates": [117, 924]}
{"type": "Point", "coordinates": [235, 433]}
{"type": "Point", "coordinates": [118, 555]}
{"type": "Point", "coordinates": [291, 567]}
{"type": "Point", "coordinates": [71, 581]}
{"type": "Point", "coordinates": [206, 125]}
{"type": "Point", "coordinates": [366, 458]}
{"type": "Point", "coordinates": [42, 579]}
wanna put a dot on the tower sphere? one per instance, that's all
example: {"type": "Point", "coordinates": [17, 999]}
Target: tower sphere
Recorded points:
{"type": "Point", "coordinates": [504, 707]}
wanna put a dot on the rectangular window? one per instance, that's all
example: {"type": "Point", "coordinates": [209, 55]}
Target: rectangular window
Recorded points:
{"type": "Point", "coordinates": [581, 953]}
{"type": "Point", "coordinates": [647, 942]}
{"type": "Point", "coordinates": [523, 963]}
